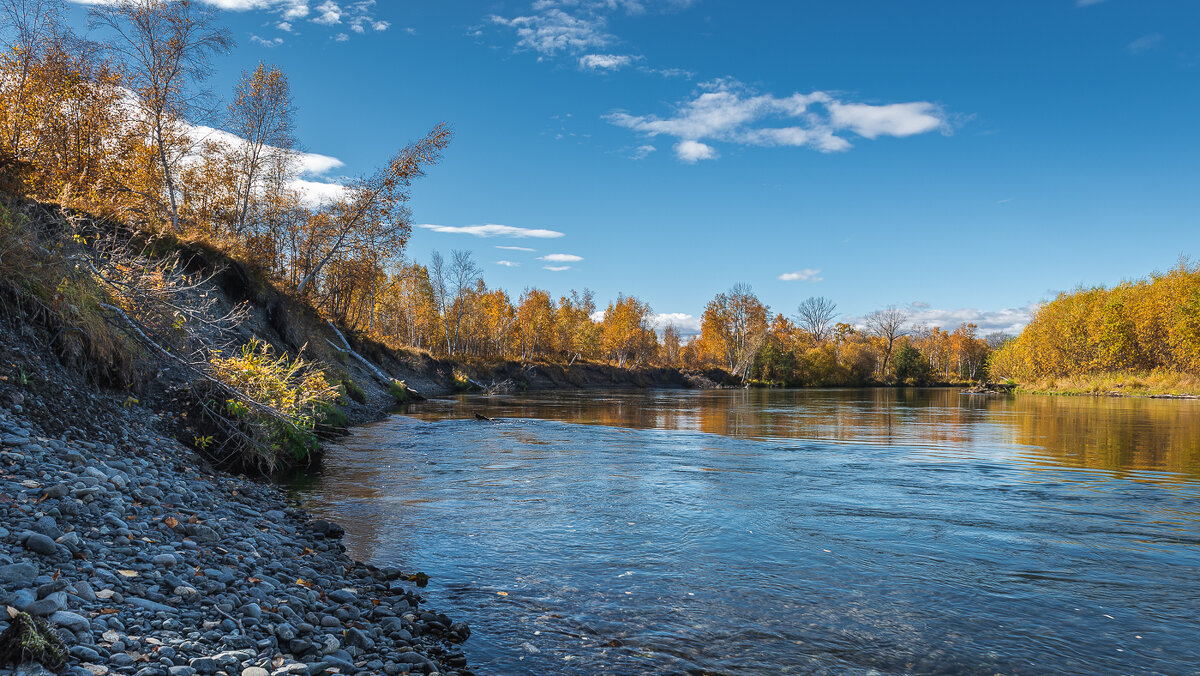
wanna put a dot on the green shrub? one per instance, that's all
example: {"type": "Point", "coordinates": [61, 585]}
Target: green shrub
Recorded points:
{"type": "Point", "coordinates": [285, 402]}
{"type": "Point", "coordinates": [400, 392]}
{"type": "Point", "coordinates": [353, 391]}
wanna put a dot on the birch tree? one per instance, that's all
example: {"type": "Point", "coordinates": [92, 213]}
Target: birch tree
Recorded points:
{"type": "Point", "coordinates": [167, 47]}
{"type": "Point", "coordinates": [262, 114]}
{"type": "Point", "coordinates": [374, 211]}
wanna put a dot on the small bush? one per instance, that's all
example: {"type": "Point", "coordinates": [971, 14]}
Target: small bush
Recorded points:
{"type": "Point", "coordinates": [353, 391]}
{"type": "Point", "coordinates": [462, 383]}
{"type": "Point", "coordinates": [400, 392]}
{"type": "Point", "coordinates": [286, 400]}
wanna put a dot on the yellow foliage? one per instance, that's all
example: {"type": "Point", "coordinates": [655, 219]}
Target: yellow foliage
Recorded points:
{"type": "Point", "coordinates": [1148, 325]}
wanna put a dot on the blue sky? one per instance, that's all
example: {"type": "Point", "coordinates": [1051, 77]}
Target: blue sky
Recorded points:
{"type": "Point", "coordinates": [962, 159]}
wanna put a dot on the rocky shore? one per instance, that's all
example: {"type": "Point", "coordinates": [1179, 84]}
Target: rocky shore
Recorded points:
{"type": "Point", "coordinates": [143, 561]}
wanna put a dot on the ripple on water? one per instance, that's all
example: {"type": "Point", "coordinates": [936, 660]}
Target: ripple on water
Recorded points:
{"type": "Point", "coordinates": [791, 532]}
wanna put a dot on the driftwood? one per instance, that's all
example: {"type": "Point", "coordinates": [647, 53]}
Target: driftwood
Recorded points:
{"type": "Point", "coordinates": [991, 388]}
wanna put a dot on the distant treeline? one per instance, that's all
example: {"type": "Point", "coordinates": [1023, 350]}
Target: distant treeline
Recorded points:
{"type": "Point", "coordinates": [119, 123]}
{"type": "Point", "coordinates": [1141, 326]}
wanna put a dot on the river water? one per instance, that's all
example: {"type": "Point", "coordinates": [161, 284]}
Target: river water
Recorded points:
{"type": "Point", "coordinates": [805, 531]}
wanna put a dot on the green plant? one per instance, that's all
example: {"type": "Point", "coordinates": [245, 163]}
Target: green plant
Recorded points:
{"type": "Point", "coordinates": [332, 418]}
{"type": "Point", "coordinates": [400, 392]}
{"type": "Point", "coordinates": [31, 639]}
{"type": "Point", "coordinates": [353, 391]}
{"type": "Point", "coordinates": [462, 383]}
{"type": "Point", "coordinates": [284, 400]}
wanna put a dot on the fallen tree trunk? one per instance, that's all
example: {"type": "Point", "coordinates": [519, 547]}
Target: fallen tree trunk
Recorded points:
{"type": "Point", "coordinates": [383, 378]}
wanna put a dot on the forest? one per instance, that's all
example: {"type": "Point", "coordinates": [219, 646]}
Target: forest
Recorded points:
{"type": "Point", "coordinates": [120, 123]}
{"type": "Point", "coordinates": [1141, 336]}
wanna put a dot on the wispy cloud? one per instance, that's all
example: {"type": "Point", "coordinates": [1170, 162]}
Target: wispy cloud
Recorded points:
{"type": "Point", "coordinates": [643, 151]}
{"type": "Point", "coordinates": [515, 248]}
{"type": "Point", "coordinates": [805, 275]}
{"type": "Point", "coordinates": [560, 258]}
{"type": "Point", "coordinates": [493, 230]}
{"type": "Point", "coordinates": [1087, 3]}
{"type": "Point", "coordinates": [556, 268]}
{"type": "Point", "coordinates": [552, 27]}
{"type": "Point", "coordinates": [359, 14]}
{"type": "Point", "coordinates": [603, 62]}
{"type": "Point", "coordinates": [554, 30]}
{"type": "Point", "coordinates": [508, 264]}
{"type": "Point", "coordinates": [1145, 43]}
{"type": "Point", "coordinates": [728, 111]}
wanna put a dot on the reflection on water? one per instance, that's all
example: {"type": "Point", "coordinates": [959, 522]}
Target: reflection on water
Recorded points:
{"type": "Point", "coordinates": [1106, 433]}
{"type": "Point", "coordinates": [872, 531]}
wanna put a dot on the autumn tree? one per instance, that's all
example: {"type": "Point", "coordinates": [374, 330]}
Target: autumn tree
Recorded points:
{"type": "Point", "coordinates": [734, 327]}
{"type": "Point", "coordinates": [888, 326]}
{"type": "Point", "coordinates": [452, 282]}
{"type": "Point", "coordinates": [671, 346]}
{"type": "Point", "coordinates": [374, 211]}
{"type": "Point", "coordinates": [167, 46]}
{"type": "Point", "coordinates": [262, 115]}
{"type": "Point", "coordinates": [815, 315]}
{"type": "Point", "coordinates": [578, 335]}
{"type": "Point", "coordinates": [626, 330]}
{"type": "Point", "coordinates": [31, 29]}
{"type": "Point", "coordinates": [535, 324]}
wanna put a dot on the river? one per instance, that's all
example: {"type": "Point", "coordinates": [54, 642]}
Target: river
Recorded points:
{"type": "Point", "coordinates": [789, 531]}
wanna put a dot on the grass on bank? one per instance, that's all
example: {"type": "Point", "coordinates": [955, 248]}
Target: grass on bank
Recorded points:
{"type": "Point", "coordinates": [1136, 384]}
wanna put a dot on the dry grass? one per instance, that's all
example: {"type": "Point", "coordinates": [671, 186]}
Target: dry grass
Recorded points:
{"type": "Point", "coordinates": [1144, 384]}
{"type": "Point", "coordinates": [38, 275]}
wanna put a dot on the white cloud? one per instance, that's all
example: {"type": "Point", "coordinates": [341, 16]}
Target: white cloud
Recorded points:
{"type": "Point", "coordinates": [895, 119]}
{"type": "Point", "coordinates": [694, 151]}
{"type": "Point", "coordinates": [508, 264]}
{"type": "Point", "coordinates": [805, 275]}
{"type": "Point", "coordinates": [315, 164]}
{"type": "Point", "coordinates": [604, 61]}
{"type": "Point", "coordinates": [1145, 43]}
{"type": "Point", "coordinates": [328, 13]}
{"type": "Point", "coordinates": [493, 230]}
{"type": "Point", "coordinates": [515, 248]}
{"type": "Point", "coordinates": [1085, 3]}
{"type": "Point", "coordinates": [554, 31]}
{"type": "Point", "coordinates": [1008, 320]}
{"type": "Point", "coordinates": [574, 26]}
{"type": "Point", "coordinates": [643, 151]}
{"type": "Point", "coordinates": [686, 324]}
{"type": "Point", "coordinates": [265, 42]}
{"type": "Point", "coordinates": [726, 110]}
{"type": "Point", "coordinates": [556, 268]}
{"type": "Point", "coordinates": [316, 193]}
{"type": "Point", "coordinates": [560, 258]}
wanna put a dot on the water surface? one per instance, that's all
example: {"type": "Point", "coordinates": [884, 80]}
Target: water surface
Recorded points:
{"type": "Point", "coordinates": [838, 531]}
